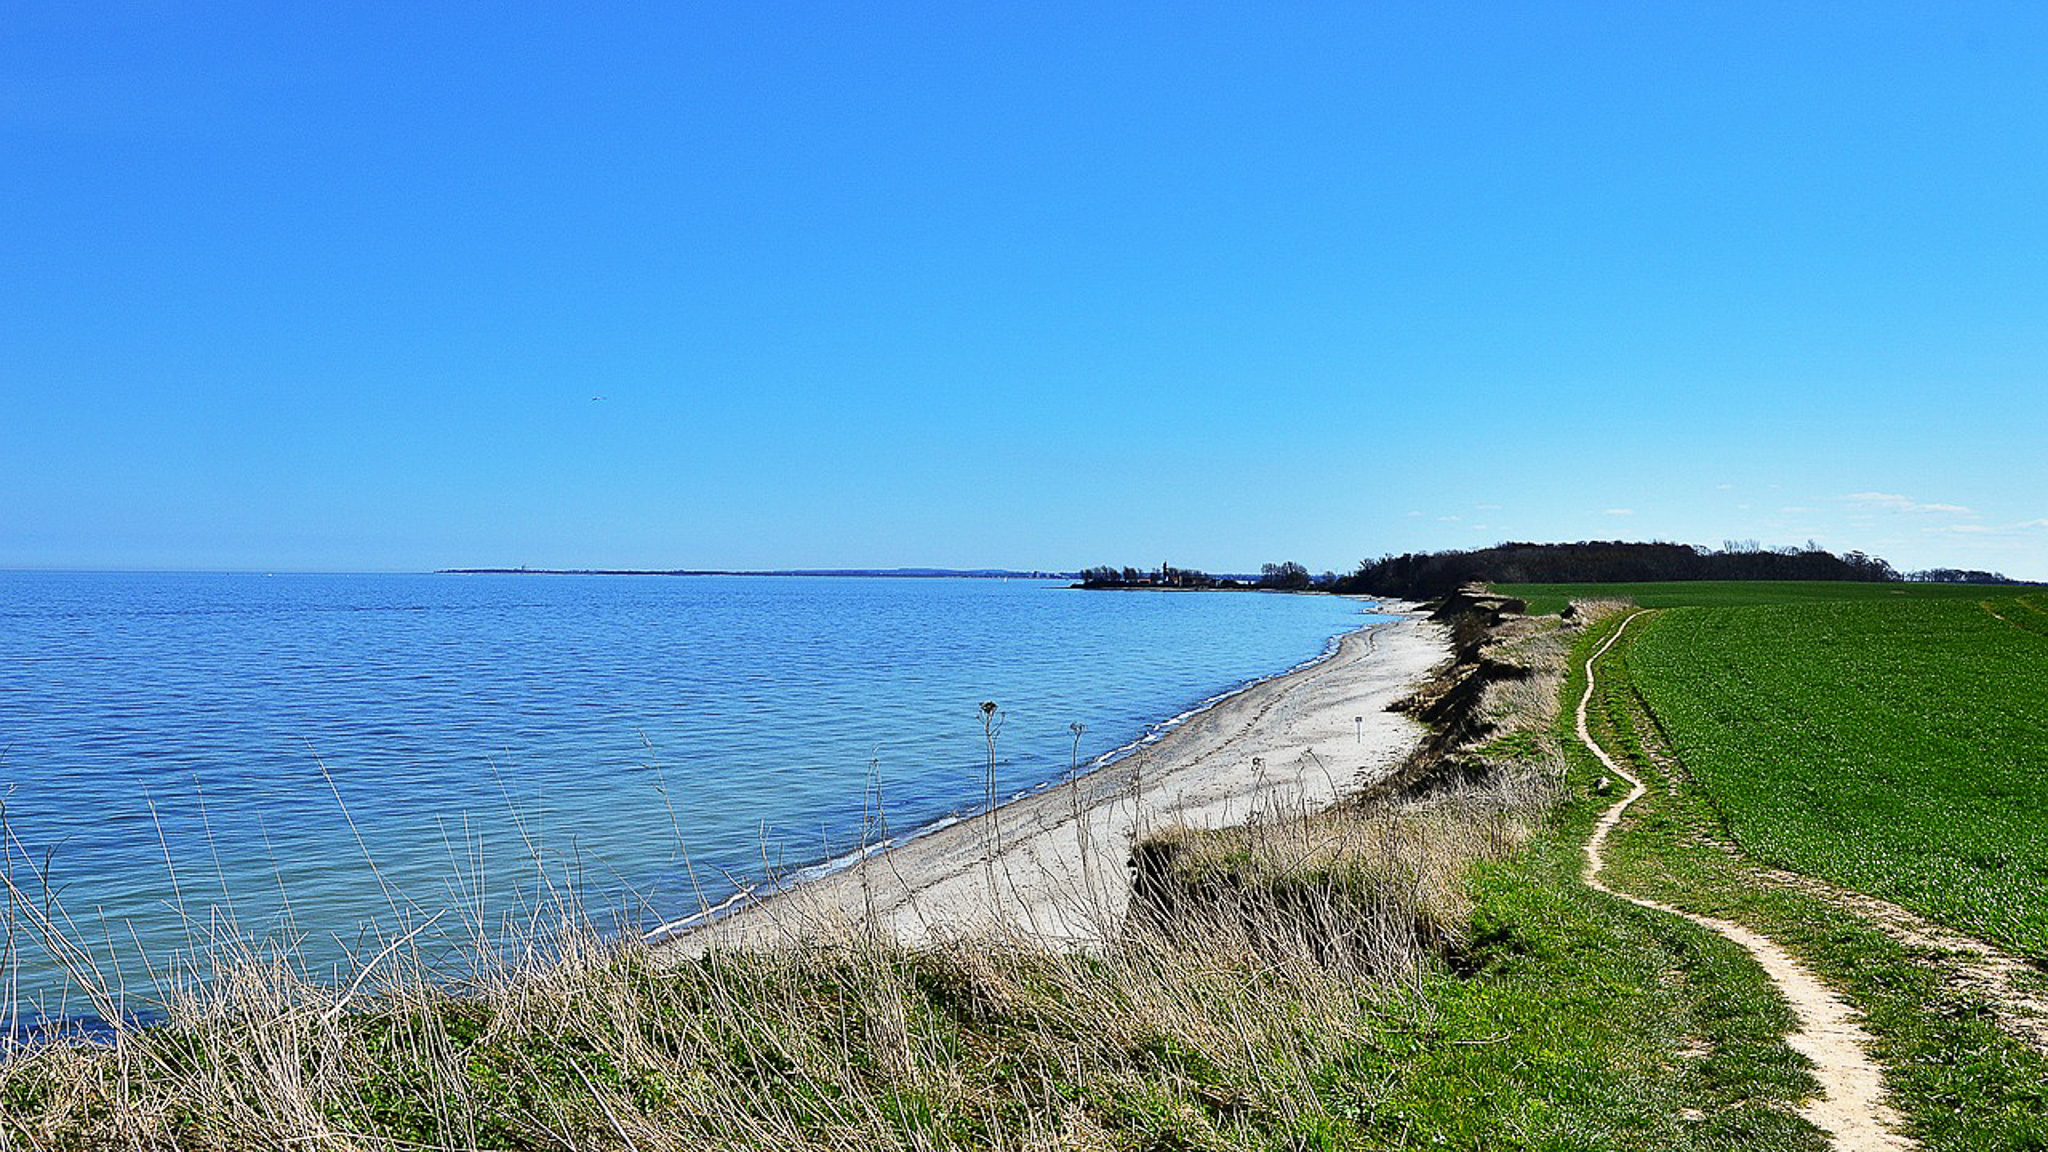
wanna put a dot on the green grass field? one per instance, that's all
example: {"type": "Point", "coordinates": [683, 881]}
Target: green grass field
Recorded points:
{"type": "Point", "coordinates": [1889, 738]}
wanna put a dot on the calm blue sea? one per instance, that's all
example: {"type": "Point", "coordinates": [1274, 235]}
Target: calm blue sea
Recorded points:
{"type": "Point", "coordinates": [249, 746]}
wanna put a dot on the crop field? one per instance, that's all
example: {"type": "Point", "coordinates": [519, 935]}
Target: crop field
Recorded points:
{"type": "Point", "coordinates": [1892, 740]}
{"type": "Point", "coordinates": [1545, 599]}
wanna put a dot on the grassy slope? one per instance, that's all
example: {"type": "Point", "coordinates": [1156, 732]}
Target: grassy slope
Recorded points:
{"type": "Point", "coordinates": [1960, 1082]}
{"type": "Point", "coordinates": [1576, 1024]}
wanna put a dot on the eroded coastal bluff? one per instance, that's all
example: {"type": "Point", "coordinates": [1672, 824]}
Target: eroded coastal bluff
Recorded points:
{"type": "Point", "coordinates": [1053, 866]}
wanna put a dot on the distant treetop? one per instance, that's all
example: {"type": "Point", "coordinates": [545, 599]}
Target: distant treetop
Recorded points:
{"type": "Point", "coordinates": [1959, 576]}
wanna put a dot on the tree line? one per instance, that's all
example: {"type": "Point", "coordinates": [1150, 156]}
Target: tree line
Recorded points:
{"type": "Point", "coordinates": [1960, 576]}
{"type": "Point", "coordinates": [1427, 575]}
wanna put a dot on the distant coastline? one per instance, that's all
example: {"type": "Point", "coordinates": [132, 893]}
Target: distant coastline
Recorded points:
{"type": "Point", "coordinates": [1149, 582]}
{"type": "Point", "coordinates": [896, 573]}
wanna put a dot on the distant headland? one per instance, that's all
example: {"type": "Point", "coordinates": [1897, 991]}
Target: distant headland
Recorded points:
{"type": "Point", "coordinates": [1285, 577]}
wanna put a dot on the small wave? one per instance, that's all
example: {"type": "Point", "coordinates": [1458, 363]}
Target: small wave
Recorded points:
{"type": "Point", "coordinates": [675, 928]}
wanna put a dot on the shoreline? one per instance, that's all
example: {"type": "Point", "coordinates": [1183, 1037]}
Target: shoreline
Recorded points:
{"type": "Point", "coordinates": [1050, 862]}
{"type": "Point", "coordinates": [825, 869]}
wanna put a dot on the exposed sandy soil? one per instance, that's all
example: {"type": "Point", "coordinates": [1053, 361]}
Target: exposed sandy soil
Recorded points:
{"type": "Point", "coordinates": [1059, 874]}
{"type": "Point", "coordinates": [1851, 1107]}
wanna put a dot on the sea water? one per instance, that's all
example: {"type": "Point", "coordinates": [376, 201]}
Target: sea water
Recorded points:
{"type": "Point", "coordinates": [325, 761]}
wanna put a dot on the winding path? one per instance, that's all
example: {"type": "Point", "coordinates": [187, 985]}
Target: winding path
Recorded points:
{"type": "Point", "coordinates": [1851, 1106]}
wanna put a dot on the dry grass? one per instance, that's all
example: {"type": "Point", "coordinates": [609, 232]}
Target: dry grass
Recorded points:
{"type": "Point", "coordinates": [1365, 891]}
{"type": "Point", "coordinates": [852, 1043]}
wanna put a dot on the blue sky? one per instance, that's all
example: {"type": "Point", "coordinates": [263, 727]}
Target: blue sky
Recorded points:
{"type": "Point", "coordinates": [338, 287]}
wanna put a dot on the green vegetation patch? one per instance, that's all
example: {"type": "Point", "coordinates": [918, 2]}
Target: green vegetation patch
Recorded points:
{"type": "Point", "coordinates": [1587, 1023]}
{"type": "Point", "coordinates": [1899, 748]}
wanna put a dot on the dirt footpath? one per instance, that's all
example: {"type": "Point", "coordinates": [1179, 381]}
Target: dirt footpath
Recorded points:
{"type": "Point", "coordinates": [1851, 1106]}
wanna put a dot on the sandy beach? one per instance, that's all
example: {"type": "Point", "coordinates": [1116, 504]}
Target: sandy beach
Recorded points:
{"type": "Point", "coordinates": [1053, 864]}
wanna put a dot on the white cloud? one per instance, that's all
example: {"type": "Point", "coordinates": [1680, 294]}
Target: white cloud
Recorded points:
{"type": "Point", "coordinates": [1966, 528]}
{"type": "Point", "coordinates": [1621, 512]}
{"type": "Point", "coordinates": [1448, 519]}
{"type": "Point", "coordinates": [2042, 523]}
{"type": "Point", "coordinates": [1724, 487]}
{"type": "Point", "coordinates": [1893, 502]}
{"type": "Point", "coordinates": [1487, 507]}
{"type": "Point", "coordinates": [1415, 513]}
